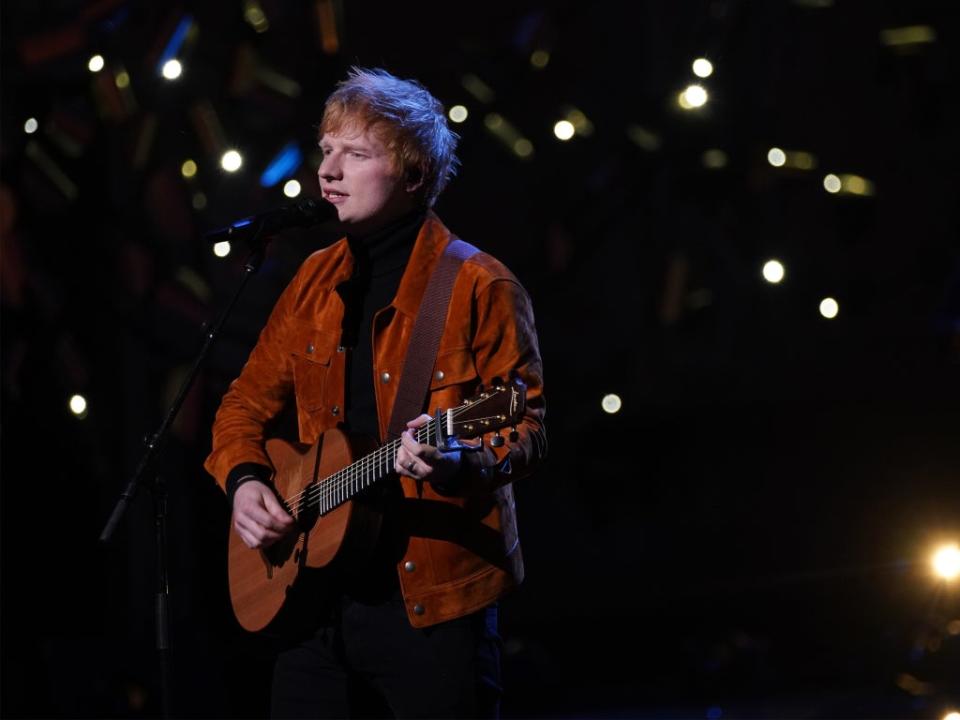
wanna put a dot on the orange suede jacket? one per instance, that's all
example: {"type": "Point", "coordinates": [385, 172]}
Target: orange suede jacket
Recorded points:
{"type": "Point", "coordinates": [463, 552]}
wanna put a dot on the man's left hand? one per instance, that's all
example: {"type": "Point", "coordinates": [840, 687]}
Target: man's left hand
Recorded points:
{"type": "Point", "coordinates": [425, 462]}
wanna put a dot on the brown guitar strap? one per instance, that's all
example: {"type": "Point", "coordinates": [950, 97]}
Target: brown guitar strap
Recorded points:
{"type": "Point", "coordinates": [425, 338]}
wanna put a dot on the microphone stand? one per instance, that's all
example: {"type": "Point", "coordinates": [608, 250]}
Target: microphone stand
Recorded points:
{"type": "Point", "coordinates": [154, 444]}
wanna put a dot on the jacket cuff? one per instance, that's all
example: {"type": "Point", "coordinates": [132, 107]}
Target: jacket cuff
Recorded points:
{"type": "Point", "coordinates": [245, 472]}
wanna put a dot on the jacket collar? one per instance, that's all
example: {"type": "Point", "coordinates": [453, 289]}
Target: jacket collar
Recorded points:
{"type": "Point", "coordinates": [432, 240]}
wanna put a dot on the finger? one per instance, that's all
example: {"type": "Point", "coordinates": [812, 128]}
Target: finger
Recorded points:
{"type": "Point", "coordinates": [419, 422]}
{"type": "Point", "coordinates": [257, 516]}
{"type": "Point", "coordinates": [410, 445]}
{"type": "Point", "coordinates": [277, 511]}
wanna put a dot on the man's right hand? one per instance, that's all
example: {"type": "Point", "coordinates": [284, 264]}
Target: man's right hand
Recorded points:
{"type": "Point", "coordinates": [258, 517]}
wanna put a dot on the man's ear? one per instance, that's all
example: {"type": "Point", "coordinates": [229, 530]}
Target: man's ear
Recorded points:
{"type": "Point", "coordinates": [414, 180]}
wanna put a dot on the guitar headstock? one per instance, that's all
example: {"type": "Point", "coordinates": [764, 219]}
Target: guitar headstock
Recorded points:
{"type": "Point", "coordinates": [498, 406]}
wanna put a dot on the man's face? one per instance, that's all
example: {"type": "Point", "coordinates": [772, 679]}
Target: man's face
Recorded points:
{"type": "Point", "coordinates": [357, 175]}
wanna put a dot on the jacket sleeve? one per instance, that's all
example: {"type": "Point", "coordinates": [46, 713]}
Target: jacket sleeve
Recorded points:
{"type": "Point", "coordinates": [264, 386]}
{"type": "Point", "coordinates": [505, 346]}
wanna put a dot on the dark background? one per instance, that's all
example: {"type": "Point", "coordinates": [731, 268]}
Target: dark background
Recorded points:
{"type": "Point", "coordinates": [748, 537]}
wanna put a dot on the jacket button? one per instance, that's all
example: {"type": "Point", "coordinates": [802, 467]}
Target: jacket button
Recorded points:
{"type": "Point", "coordinates": [409, 566]}
{"type": "Point", "coordinates": [439, 375]}
{"type": "Point", "coordinates": [310, 348]}
{"type": "Point", "coordinates": [418, 609]}
{"type": "Point", "coordinates": [385, 377]}
{"type": "Point", "coordinates": [335, 409]}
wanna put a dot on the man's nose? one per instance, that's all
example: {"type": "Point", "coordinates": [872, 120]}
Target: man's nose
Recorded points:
{"type": "Point", "coordinates": [329, 169]}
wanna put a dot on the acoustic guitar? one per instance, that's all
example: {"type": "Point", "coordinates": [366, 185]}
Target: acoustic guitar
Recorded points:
{"type": "Point", "coordinates": [317, 485]}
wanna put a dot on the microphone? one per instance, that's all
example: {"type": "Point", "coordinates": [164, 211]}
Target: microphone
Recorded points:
{"type": "Point", "coordinates": [305, 213]}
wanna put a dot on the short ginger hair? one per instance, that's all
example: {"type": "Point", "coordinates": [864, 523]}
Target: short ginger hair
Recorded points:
{"type": "Point", "coordinates": [405, 117]}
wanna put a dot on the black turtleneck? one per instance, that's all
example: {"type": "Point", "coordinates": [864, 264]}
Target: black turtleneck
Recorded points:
{"type": "Point", "coordinates": [379, 262]}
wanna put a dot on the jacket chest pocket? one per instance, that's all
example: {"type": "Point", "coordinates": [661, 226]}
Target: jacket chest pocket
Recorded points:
{"type": "Point", "coordinates": [454, 375]}
{"type": "Point", "coordinates": [312, 352]}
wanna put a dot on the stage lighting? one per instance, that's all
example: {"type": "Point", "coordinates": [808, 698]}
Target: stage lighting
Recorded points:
{"type": "Point", "coordinates": [231, 161]}
{"type": "Point", "coordinates": [702, 68]}
{"type": "Point", "coordinates": [291, 188]}
{"type": "Point", "coordinates": [773, 271]}
{"type": "Point", "coordinates": [831, 183]}
{"type": "Point", "coordinates": [563, 129]}
{"type": "Point", "coordinates": [78, 406]}
{"type": "Point", "coordinates": [829, 308]}
{"type": "Point", "coordinates": [693, 97]}
{"type": "Point", "coordinates": [221, 249]}
{"type": "Point", "coordinates": [946, 562]}
{"type": "Point", "coordinates": [188, 169]}
{"type": "Point", "coordinates": [172, 69]}
{"type": "Point", "coordinates": [30, 126]}
{"type": "Point", "coordinates": [458, 113]}
{"type": "Point", "coordinates": [611, 403]}
{"type": "Point", "coordinates": [96, 64]}
{"type": "Point", "coordinates": [776, 157]}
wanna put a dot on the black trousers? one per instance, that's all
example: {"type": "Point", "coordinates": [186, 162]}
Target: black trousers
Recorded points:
{"type": "Point", "coordinates": [366, 660]}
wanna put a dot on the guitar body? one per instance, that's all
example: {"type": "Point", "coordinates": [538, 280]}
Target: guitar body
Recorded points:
{"type": "Point", "coordinates": [260, 580]}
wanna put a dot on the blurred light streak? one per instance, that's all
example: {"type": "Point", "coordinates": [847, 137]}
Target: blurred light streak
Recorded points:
{"type": "Point", "coordinates": [255, 17]}
{"type": "Point", "coordinates": [174, 44]}
{"type": "Point", "coordinates": [284, 164]}
{"type": "Point", "coordinates": [328, 27]}
{"type": "Point", "coordinates": [208, 128]}
{"type": "Point", "coordinates": [504, 131]}
{"type": "Point", "coordinates": [478, 88]}
{"type": "Point", "coordinates": [53, 171]}
{"type": "Point", "coordinates": [910, 35]}
{"type": "Point", "coordinates": [643, 138]}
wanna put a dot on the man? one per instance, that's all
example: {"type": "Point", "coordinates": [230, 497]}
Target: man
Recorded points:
{"type": "Point", "coordinates": [416, 622]}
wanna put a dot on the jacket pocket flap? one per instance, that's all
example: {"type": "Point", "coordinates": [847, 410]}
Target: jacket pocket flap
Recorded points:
{"type": "Point", "coordinates": [452, 368]}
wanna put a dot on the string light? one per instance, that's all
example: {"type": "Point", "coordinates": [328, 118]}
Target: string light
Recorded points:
{"type": "Point", "coordinates": [78, 406]}
{"type": "Point", "coordinates": [221, 249]}
{"type": "Point", "coordinates": [188, 169]}
{"type": "Point", "coordinates": [832, 184]}
{"type": "Point", "coordinates": [458, 113]}
{"type": "Point", "coordinates": [539, 59]}
{"type": "Point", "coordinates": [564, 130]}
{"type": "Point", "coordinates": [30, 126]}
{"type": "Point", "coordinates": [693, 97]}
{"type": "Point", "coordinates": [776, 157]}
{"type": "Point", "coordinates": [291, 188]}
{"type": "Point", "coordinates": [829, 308]}
{"type": "Point", "coordinates": [95, 64]}
{"type": "Point", "coordinates": [946, 562]}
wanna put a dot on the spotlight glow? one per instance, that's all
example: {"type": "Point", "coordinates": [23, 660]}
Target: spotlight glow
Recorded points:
{"type": "Point", "coordinates": [776, 157]}
{"type": "Point", "coordinates": [95, 64]}
{"type": "Point", "coordinates": [122, 79]}
{"type": "Point", "coordinates": [832, 184]}
{"type": "Point", "coordinates": [773, 271]}
{"type": "Point", "coordinates": [458, 113]}
{"type": "Point", "coordinates": [714, 159]}
{"type": "Point", "coordinates": [953, 715]}
{"type": "Point", "coordinates": [231, 161]}
{"type": "Point", "coordinates": [221, 249]}
{"type": "Point", "coordinates": [291, 188]}
{"type": "Point", "coordinates": [30, 126]}
{"type": "Point", "coordinates": [611, 403]}
{"type": "Point", "coordinates": [188, 169]}
{"type": "Point", "coordinates": [523, 148]}
{"type": "Point", "coordinates": [829, 308]}
{"type": "Point", "coordinates": [702, 68]}
{"type": "Point", "coordinates": [946, 562]}
{"type": "Point", "coordinates": [172, 69]}
{"type": "Point", "coordinates": [564, 130]}
{"type": "Point", "coordinates": [78, 406]}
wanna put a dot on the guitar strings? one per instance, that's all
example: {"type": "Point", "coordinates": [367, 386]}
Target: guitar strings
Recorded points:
{"type": "Point", "coordinates": [336, 486]}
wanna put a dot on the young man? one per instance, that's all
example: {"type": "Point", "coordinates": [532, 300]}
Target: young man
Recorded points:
{"type": "Point", "coordinates": [416, 621]}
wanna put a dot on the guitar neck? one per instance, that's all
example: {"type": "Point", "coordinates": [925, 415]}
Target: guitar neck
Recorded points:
{"type": "Point", "coordinates": [349, 481]}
